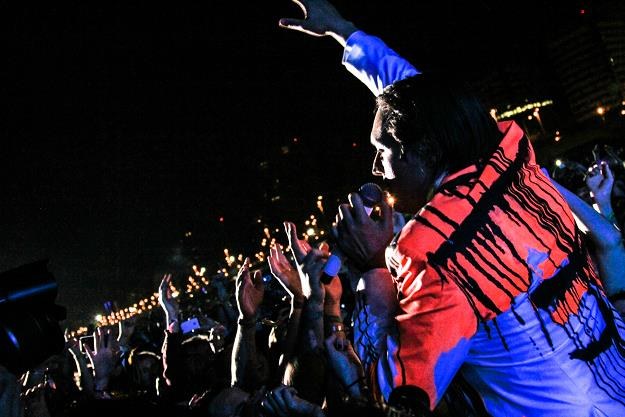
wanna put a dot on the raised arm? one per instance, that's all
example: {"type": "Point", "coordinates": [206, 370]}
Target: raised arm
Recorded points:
{"type": "Point", "coordinates": [368, 58]}
{"type": "Point", "coordinates": [288, 277]}
{"type": "Point", "coordinates": [249, 294]}
{"type": "Point", "coordinates": [608, 241]}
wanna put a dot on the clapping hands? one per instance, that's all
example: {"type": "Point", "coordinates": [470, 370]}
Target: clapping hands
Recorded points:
{"type": "Point", "coordinates": [249, 291]}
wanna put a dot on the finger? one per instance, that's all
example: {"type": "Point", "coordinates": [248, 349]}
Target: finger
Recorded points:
{"type": "Point", "coordinates": [107, 338]}
{"type": "Point", "coordinates": [291, 23]}
{"type": "Point", "coordinates": [308, 259]}
{"type": "Point", "coordinates": [345, 214]}
{"type": "Point", "coordinates": [349, 348]}
{"type": "Point", "coordinates": [387, 215]}
{"type": "Point", "coordinates": [278, 405]}
{"type": "Point", "coordinates": [89, 352]}
{"type": "Point", "coordinates": [258, 280]}
{"type": "Point", "coordinates": [313, 261]}
{"type": "Point", "coordinates": [329, 342]}
{"type": "Point", "coordinates": [98, 343]}
{"type": "Point", "coordinates": [294, 243]}
{"type": "Point", "coordinates": [163, 283]}
{"type": "Point", "coordinates": [341, 232]}
{"type": "Point", "coordinates": [266, 404]}
{"type": "Point", "coordinates": [302, 6]}
{"type": "Point", "coordinates": [342, 342]}
{"type": "Point", "coordinates": [360, 215]}
{"type": "Point", "coordinates": [282, 259]}
{"type": "Point", "coordinates": [608, 172]}
{"type": "Point", "coordinates": [274, 268]}
{"type": "Point", "coordinates": [287, 397]}
{"type": "Point", "coordinates": [243, 271]}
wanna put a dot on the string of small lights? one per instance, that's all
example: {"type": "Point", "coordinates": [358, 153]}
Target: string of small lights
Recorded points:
{"type": "Point", "coordinates": [198, 280]}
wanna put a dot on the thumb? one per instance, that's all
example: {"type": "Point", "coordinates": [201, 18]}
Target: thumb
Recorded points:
{"type": "Point", "coordinates": [290, 23]}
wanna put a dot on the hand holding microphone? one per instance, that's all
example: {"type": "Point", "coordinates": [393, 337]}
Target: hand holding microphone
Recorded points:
{"type": "Point", "coordinates": [359, 237]}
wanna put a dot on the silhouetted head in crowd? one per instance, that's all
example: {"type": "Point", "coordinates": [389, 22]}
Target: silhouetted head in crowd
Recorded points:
{"type": "Point", "coordinates": [145, 369]}
{"type": "Point", "coordinates": [425, 128]}
{"type": "Point", "coordinates": [197, 359]}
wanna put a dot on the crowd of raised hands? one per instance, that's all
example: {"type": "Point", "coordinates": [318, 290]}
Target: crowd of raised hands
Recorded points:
{"type": "Point", "coordinates": [298, 360]}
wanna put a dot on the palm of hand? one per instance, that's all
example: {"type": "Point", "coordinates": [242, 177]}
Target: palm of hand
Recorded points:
{"type": "Point", "coordinates": [600, 183]}
{"type": "Point", "coordinates": [284, 272]}
{"type": "Point", "coordinates": [103, 357]}
{"type": "Point", "coordinates": [249, 291]}
{"type": "Point", "coordinates": [250, 299]}
{"type": "Point", "coordinates": [165, 295]}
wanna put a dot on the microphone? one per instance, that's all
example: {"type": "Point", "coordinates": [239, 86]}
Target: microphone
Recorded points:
{"type": "Point", "coordinates": [370, 194]}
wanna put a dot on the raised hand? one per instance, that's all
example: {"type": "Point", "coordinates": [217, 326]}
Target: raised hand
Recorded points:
{"type": "Point", "coordinates": [320, 19]}
{"type": "Point", "coordinates": [125, 330]}
{"type": "Point", "coordinates": [166, 299]}
{"type": "Point", "coordinates": [249, 291]}
{"type": "Point", "coordinates": [345, 364]}
{"type": "Point", "coordinates": [299, 247]}
{"type": "Point", "coordinates": [311, 269]}
{"type": "Point", "coordinates": [600, 182]}
{"type": "Point", "coordinates": [103, 357]}
{"type": "Point", "coordinates": [361, 238]}
{"type": "Point", "coordinates": [285, 273]}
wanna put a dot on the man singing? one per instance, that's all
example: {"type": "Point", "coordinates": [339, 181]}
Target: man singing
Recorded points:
{"type": "Point", "coordinates": [490, 277]}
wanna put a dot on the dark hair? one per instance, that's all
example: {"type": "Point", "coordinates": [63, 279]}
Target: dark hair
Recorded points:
{"type": "Point", "coordinates": [440, 121]}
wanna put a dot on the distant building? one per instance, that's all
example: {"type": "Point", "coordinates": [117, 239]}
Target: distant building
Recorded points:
{"type": "Point", "coordinates": [590, 63]}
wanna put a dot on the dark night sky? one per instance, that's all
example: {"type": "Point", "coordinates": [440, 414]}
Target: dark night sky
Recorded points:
{"type": "Point", "coordinates": [130, 124]}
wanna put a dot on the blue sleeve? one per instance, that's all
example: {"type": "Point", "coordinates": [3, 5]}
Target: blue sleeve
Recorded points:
{"type": "Point", "coordinates": [375, 64]}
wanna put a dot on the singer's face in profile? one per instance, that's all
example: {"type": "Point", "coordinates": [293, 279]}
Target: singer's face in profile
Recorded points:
{"type": "Point", "coordinates": [403, 173]}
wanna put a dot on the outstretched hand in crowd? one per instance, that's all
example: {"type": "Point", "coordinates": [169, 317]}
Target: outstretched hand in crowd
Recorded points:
{"type": "Point", "coordinates": [249, 291]}
{"type": "Point", "coordinates": [320, 19]}
{"type": "Point", "coordinates": [103, 358]}
{"type": "Point", "coordinates": [169, 303]}
{"type": "Point", "coordinates": [286, 274]}
{"type": "Point", "coordinates": [600, 182]}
